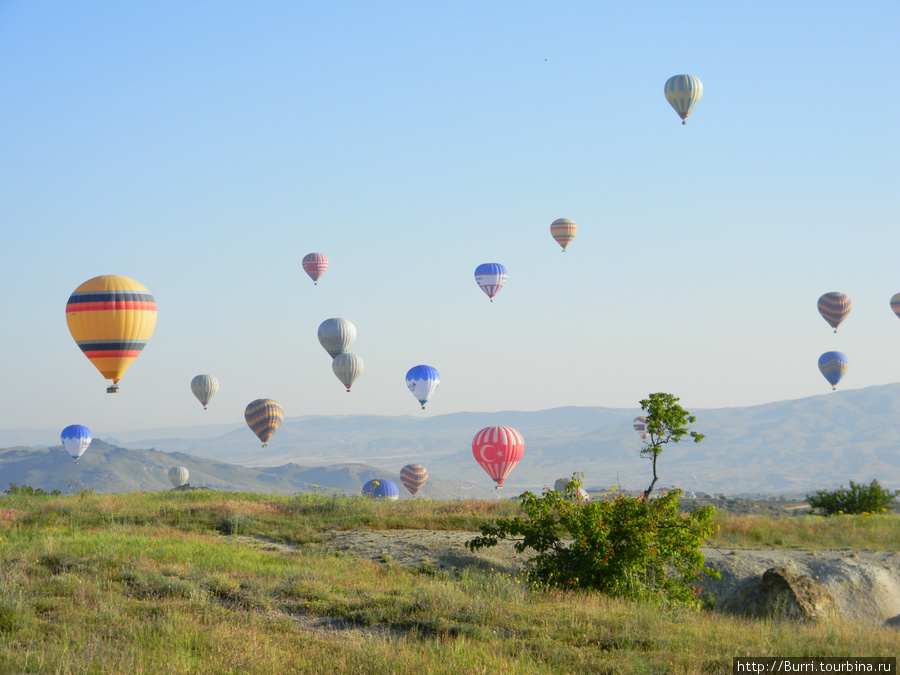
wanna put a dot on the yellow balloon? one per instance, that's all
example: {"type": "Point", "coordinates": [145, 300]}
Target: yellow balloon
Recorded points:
{"type": "Point", "coordinates": [111, 318]}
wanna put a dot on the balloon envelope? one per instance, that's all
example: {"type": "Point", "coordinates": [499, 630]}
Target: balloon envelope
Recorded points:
{"type": "Point", "coordinates": [264, 416]}
{"type": "Point", "coordinates": [498, 450]}
{"type": "Point", "coordinates": [75, 439]}
{"type": "Point", "coordinates": [347, 368]}
{"type": "Point", "coordinates": [580, 493]}
{"type": "Point", "coordinates": [413, 477]}
{"type": "Point", "coordinates": [833, 366]}
{"type": "Point", "coordinates": [683, 92]}
{"type": "Point", "coordinates": [204, 388]}
{"type": "Point", "coordinates": [490, 277]}
{"type": "Point", "coordinates": [640, 426]}
{"type": "Point", "coordinates": [895, 304]}
{"type": "Point", "coordinates": [336, 336]}
{"type": "Point", "coordinates": [563, 231]}
{"type": "Point", "coordinates": [315, 264]}
{"type": "Point", "coordinates": [111, 318]}
{"type": "Point", "coordinates": [178, 476]}
{"type": "Point", "coordinates": [381, 488]}
{"type": "Point", "coordinates": [422, 381]}
{"type": "Point", "coordinates": [834, 308]}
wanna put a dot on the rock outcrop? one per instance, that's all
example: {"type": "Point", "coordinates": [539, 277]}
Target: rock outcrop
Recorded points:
{"type": "Point", "coordinates": [780, 594]}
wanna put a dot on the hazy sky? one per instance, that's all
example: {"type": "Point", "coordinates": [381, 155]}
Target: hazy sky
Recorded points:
{"type": "Point", "coordinates": [203, 148]}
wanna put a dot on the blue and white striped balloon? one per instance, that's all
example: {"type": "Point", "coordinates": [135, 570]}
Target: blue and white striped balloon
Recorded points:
{"type": "Point", "coordinates": [75, 439]}
{"type": "Point", "coordinates": [422, 381]}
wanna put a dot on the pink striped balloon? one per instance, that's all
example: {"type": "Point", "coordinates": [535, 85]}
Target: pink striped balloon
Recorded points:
{"type": "Point", "coordinates": [498, 451]}
{"type": "Point", "coordinates": [315, 264]}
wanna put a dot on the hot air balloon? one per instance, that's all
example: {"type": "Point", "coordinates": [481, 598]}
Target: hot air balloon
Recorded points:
{"type": "Point", "coordinates": [347, 367]}
{"type": "Point", "coordinates": [178, 476]}
{"type": "Point", "coordinates": [563, 231]}
{"type": "Point", "coordinates": [580, 494]}
{"type": "Point", "coordinates": [204, 388]}
{"type": "Point", "coordinates": [315, 264]}
{"type": "Point", "coordinates": [833, 366]}
{"type": "Point", "coordinates": [422, 381]}
{"type": "Point", "coordinates": [336, 336]}
{"type": "Point", "coordinates": [498, 450]}
{"type": "Point", "coordinates": [75, 439]}
{"type": "Point", "coordinates": [895, 304]}
{"type": "Point", "coordinates": [413, 477]}
{"type": "Point", "coordinates": [640, 426]}
{"type": "Point", "coordinates": [381, 488]}
{"type": "Point", "coordinates": [682, 93]}
{"type": "Point", "coordinates": [111, 318]}
{"type": "Point", "coordinates": [490, 277]}
{"type": "Point", "coordinates": [264, 416]}
{"type": "Point", "coordinates": [834, 308]}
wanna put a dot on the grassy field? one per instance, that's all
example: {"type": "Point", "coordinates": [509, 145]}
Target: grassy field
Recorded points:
{"type": "Point", "coordinates": [153, 583]}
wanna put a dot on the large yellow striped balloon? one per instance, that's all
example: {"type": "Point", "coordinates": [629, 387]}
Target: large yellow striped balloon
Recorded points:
{"type": "Point", "coordinates": [111, 318]}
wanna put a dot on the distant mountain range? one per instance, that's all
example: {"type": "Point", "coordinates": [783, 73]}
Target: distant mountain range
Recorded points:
{"type": "Point", "coordinates": [788, 447]}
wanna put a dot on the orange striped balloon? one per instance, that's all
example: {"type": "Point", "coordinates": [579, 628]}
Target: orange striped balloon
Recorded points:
{"type": "Point", "coordinates": [111, 319]}
{"type": "Point", "coordinates": [264, 416]}
{"type": "Point", "coordinates": [834, 308]}
{"type": "Point", "coordinates": [563, 231]}
{"type": "Point", "coordinates": [413, 477]}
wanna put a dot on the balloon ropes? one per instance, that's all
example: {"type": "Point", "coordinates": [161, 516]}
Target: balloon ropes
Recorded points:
{"type": "Point", "coordinates": [347, 367]}
{"type": "Point", "coordinates": [381, 488]}
{"type": "Point", "coordinates": [640, 426]}
{"type": "Point", "coordinates": [204, 388]}
{"type": "Point", "coordinates": [563, 231]}
{"type": "Point", "coordinates": [498, 451]}
{"type": "Point", "coordinates": [336, 336]}
{"type": "Point", "coordinates": [413, 477]}
{"type": "Point", "coordinates": [833, 366]}
{"type": "Point", "coordinates": [75, 439]}
{"type": "Point", "coordinates": [264, 416]}
{"type": "Point", "coordinates": [111, 319]}
{"type": "Point", "coordinates": [834, 308]}
{"type": "Point", "coordinates": [178, 476]}
{"type": "Point", "coordinates": [422, 381]}
{"type": "Point", "coordinates": [490, 277]}
{"type": "Point", "coordinates": [683, 92]}
{"type": "Point", "coordinates": [315, 264]}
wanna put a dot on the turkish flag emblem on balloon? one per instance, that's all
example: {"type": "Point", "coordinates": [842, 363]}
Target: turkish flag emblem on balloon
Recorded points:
{"type": "Point", "coordinates": [498, 451]}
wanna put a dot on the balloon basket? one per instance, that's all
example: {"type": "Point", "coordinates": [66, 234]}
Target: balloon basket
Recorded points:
{"type": "Point", "coordinates": [112, 389]}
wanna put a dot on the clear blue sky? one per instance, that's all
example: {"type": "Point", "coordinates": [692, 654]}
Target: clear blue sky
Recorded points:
{"type": "Point", "coordinates": [203, 148]}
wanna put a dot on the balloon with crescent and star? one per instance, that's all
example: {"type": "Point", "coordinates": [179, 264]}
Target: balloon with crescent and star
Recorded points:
{"type": "Point", "coordinates": [498, 450]}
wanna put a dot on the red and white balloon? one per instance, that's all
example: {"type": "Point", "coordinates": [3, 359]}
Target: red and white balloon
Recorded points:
{"type": "Point", "coordinates": [498, 451]}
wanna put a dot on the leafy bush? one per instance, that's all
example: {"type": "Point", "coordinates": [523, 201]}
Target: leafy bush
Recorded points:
{"type": "Point", "coordinates": [26, 491]}
{"type": "Point", "coordinates": [870, 498]}
{"type": "Point", "coordinates": [624, 546]}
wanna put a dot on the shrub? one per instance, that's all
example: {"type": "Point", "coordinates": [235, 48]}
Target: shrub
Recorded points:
{"type": "Point", "coordinates": [857, 498]}
{"type": "Point", "coordinates": [624, 546]}
{"type": "Point", "coordinates": [26, 491]}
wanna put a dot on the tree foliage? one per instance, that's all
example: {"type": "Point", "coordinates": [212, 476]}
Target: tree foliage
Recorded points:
{"type": "Point", "coordinates": [624, 546]}
{"type": "Point", "coordinates": [667, 422]}
{"type": "Point", "coordinates": [858, 498]}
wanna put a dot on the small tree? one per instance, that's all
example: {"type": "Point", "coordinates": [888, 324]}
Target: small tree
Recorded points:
{"type": "Point", "coordinates": [855, 499]}
{"type": "Point", "coordinates": [625, 546]}
{"type": "Point", "coordinates": [666, 421]}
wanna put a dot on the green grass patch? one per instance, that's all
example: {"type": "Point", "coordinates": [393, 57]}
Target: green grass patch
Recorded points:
{"type": "Point", "coordinates": [150, 583]}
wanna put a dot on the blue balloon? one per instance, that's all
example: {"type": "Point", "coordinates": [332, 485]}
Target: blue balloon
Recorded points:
{"type": "Point", "coordinates": [490, 277]}
{"type": "Point", "coordinates": [75, 439]}
{"type": "Point", "coordinates": [422, 381]}
{"type": "Point", "coordinates": [833, 366]}
{"type": "Point", "coordinates": [381, 488]}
